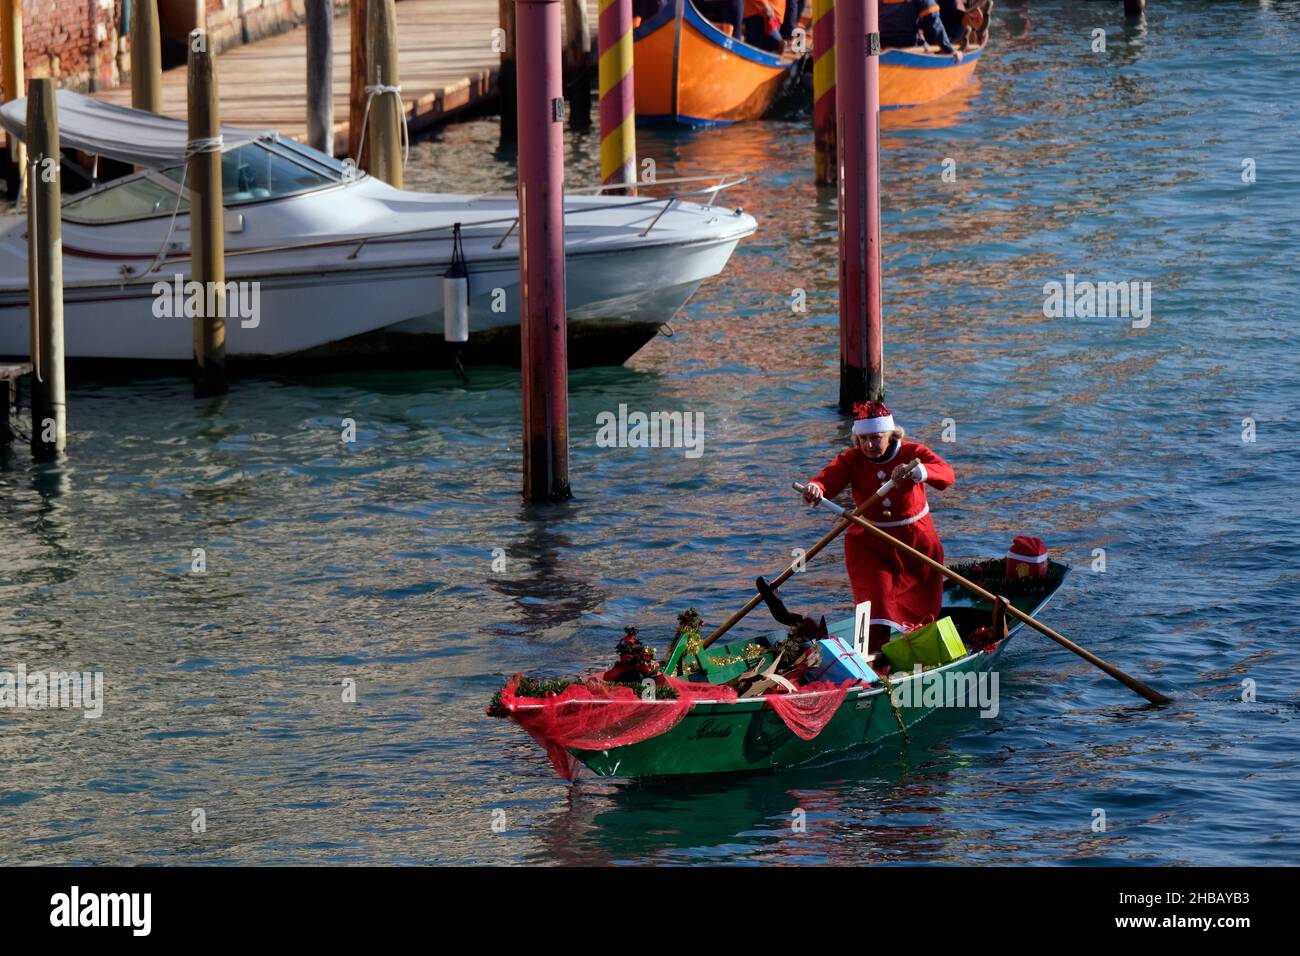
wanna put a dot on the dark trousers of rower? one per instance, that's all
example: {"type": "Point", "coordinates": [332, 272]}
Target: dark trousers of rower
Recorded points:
{"type": "Point", "coordinates": [793, 11]}
{"type": "Point", "coordinates": [725, 11]}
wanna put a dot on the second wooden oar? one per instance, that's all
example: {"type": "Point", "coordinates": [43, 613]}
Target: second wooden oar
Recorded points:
{"type": "Point", "coordinates": [1131, 683]}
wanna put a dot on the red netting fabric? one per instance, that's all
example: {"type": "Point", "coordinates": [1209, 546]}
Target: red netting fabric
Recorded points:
{"type": "Point", "coordinates": [811, 709]}
{"type": "Point", "coordinates": [595, 716]}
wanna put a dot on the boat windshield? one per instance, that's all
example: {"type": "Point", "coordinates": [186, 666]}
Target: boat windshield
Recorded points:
{"type": "Point", "coordinates": [136, 198]}
{"type": "Point", "coordinates": [252, 173]}
{"type": "Point", "coordinates": [262, 171]}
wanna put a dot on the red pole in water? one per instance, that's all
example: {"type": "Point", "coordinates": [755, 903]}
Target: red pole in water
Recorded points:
{"type": "Point", "coordinates": [875, 339]}
{"type": "Point", "coordinates": [542, 327]}
{"type": "Point", "coordinates": [857, 112]}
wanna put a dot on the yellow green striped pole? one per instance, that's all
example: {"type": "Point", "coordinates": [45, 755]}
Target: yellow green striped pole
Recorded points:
{"type": "Point", "coordinates": [617, 96]}
{"type": "Point", "coordinates": [824, 89]}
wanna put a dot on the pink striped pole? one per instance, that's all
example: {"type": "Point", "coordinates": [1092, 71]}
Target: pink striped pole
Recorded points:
{"type": "Point", "coordinates": [542, 327]}
{"type": "Point", "coordinates": [617, 96]}
{"type": "Point", "coordinates": [857, 91]}
{"type": "Point", "coordinates": [823, 24]}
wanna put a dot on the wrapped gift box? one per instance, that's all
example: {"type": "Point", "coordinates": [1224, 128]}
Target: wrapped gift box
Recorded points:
{"type": "Point", "coordinates": [840, 662]}
{"type": "Point", "coordinates": [723, 663]}
{"type": "Point", "coordinates": [933, 644]}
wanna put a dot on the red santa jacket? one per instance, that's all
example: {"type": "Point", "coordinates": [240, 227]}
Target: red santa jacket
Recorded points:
{"type": "Point", "coordinates": [906, 502]}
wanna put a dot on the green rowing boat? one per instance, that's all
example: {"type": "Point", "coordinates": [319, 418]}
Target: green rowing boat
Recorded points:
{"type": "Point", "coordinates": [749, 735]}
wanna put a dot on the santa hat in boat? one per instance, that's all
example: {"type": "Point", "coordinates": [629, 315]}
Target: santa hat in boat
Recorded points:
{"type": "Point", "coordinates": [870, 418]}
{"type": "Point", "coordinates": [1027, 558]}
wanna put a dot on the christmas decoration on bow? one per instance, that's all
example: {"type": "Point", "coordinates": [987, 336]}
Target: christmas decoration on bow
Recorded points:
{"type": "Point", "coordinates": [635, 661]}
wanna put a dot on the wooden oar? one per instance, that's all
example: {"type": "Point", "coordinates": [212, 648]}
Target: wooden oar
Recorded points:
{"type": "Point", "coordinates": [840, 527]}
{"type": "Point", "coordinates": [1131, 683]}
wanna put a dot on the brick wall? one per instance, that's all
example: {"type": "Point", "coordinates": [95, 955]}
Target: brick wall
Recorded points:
{"type": "Point", "coordinates": [78, 42]}
{"type": "Point", "coordinates": [72, 40]}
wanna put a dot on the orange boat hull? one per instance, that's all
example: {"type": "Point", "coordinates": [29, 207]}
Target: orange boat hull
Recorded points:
{"type": "Point", "coordinates": [713, 79]}
{"type": "Point", "coordinates": [910, 79]}
{"type": "Point", "coordinates": [694, 74]}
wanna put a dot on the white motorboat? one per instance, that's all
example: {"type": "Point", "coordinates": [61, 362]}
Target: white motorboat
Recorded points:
{"type": "Point", "coordinates": [326, 263]}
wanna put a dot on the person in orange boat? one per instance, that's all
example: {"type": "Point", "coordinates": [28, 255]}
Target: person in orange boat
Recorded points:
{"type": "Point", "coordinates": [764, 20]}
{"type": "Point", "coordinates": [904, 22]}
{"type": "Point", "coordinates": [904, 593]}
{"type": "Point", "coordinates": [766, 24]}
{"type": "Point", "coordinates": [965, 21]}
{"type": "Point", "coordinates": [725, 12]}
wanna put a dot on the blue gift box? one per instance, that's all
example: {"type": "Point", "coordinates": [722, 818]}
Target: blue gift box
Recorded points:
{"type": "Point", "coordinates": [840, 662]}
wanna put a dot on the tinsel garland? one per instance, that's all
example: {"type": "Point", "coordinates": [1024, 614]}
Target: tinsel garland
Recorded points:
{"type": "Point", "coordinates": [689, 625]}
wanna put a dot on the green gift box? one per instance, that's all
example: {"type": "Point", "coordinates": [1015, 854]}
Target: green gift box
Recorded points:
{"type": "Point", "coordinates": [720, 663]}
{"type": "Point", "coordinates": [933, 644]}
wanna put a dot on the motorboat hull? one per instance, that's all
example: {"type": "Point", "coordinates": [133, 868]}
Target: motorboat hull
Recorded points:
{"type": "Point", "coordinates": [322, 263]}
{"type": "Point", "coordinates": [617, 301]}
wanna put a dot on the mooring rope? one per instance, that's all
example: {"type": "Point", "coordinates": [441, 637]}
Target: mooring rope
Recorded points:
{"type": "Point", "coordinates": [193, 147]}
{"type": "Point", "coordinates": [379, 89]}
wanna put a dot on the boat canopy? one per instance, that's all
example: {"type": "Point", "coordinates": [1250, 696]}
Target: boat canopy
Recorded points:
{"type": "Point", "coordinates": [119, 132]}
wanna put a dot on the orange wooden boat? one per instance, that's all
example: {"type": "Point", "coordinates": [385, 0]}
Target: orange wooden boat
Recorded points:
{"type": "Point", "coordinates": [690, 72]}
{"type": "Point", "coordinates": [915, 76]}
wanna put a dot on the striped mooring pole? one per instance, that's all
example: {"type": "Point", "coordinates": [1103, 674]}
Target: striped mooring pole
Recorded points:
{"type": "Point", "coordinates": [824, 89]}
{"type": "Point", "coordinates": [617, 96]}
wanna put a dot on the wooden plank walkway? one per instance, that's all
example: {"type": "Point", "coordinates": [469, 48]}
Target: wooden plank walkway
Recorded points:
{"type": "Point", "coordinates": [445, 62]}
{"type": "Point", "coordinates": [10, 375]}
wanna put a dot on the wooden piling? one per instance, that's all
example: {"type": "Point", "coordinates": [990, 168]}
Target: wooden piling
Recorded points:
{"type": "Point", "coordinates": [146, 57]}
{"type": "Point", "coordinates": [357, 80]}
{"type": "Point", "coordinates": [543, 328]}
{"type": "Point", "coordinates": [823, 24]}
{"type": "Point", "coordinates": [857, 82]}
{"type": "Point", "coordinates": [45, 253]}
{"type": "Point", "coordinates": [11, 51]}
{"type": "Point", "coordinates": [507, 76]}
{"type": "Point", "coordinates": [383, 151]}
{"type": "Point", "coordinates": [207, 238]}
{"type": "Point", "coordinates": [577, 53]}
{"type": "Point", "coordinates": [617, 96]}
{"type": "Point", "coordinates": [320, 75]}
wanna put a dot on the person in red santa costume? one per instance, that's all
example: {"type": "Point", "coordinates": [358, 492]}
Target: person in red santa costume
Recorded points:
{"type": "Point", "coordinates": [903, 592]}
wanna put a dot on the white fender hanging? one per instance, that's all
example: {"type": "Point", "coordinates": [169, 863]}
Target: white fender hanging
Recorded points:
{"type": "Point", "coordinates": [455, 294]}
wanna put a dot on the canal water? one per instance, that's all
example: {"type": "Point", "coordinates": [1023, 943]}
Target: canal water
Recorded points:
{"type": "Point", "coordinates": [402, 568]}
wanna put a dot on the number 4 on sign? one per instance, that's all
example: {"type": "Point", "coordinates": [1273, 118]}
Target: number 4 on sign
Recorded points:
{"type": "Point", "coordinates": [862, 627]}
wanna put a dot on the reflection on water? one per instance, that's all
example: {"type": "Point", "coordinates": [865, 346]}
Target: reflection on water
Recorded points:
{"type": "Point", "coordinates": [377, 561]}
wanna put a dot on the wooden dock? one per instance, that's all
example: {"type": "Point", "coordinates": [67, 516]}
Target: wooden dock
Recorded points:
{"type": "Point", "coordinates": [445, 62]}
{"type": "Point", "coordinates": [11, 374]}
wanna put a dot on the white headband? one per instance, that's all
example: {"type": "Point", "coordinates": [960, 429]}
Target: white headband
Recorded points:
{"type": "Point", "coordinates": [873, 426]}
{"type": "Point", "coordinates": [1027, 558]}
